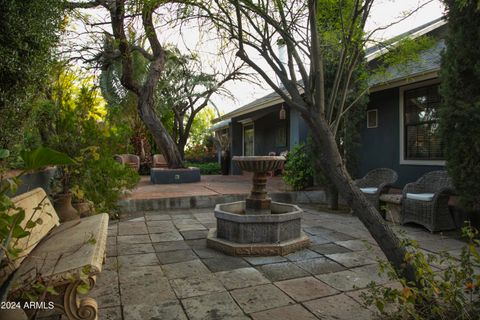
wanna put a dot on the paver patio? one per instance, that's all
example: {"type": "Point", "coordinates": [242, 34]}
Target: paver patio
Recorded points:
{"type": "Point", "coordinates": [210, 185]}
{"type": "Point", "coordinates": [151, 275]}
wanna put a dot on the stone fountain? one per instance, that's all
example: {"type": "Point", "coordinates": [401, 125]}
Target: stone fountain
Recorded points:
{"type": "Point", "coordinates": [258, 226]}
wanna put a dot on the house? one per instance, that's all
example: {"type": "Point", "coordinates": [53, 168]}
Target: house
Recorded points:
{"type": "Point", "coordinates": [401, 126]}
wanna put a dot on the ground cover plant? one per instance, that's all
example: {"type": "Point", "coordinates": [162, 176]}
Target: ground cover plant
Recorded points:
{"type": "Point", "coordinates": [446, 287]}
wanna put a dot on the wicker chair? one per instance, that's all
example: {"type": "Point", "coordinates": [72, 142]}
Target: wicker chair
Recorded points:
{"type": "Point", "coordinates": [375, 183]}
{"type": "Point", "coordinates": [128, 159]}
{"type": "Point", "coordinates": [159, 161]}
{"type": "Point", "coordinates": [426, 202]}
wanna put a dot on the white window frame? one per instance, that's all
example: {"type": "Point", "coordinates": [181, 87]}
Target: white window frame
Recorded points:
{"type": "Point", "coordinates": [402, 127]}
{"type": "Point", "coordinates": [376, 118]}
{"type": "Point", "coordinates": [244, 124]}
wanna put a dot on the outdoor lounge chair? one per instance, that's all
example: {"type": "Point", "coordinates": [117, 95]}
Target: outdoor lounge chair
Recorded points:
{"type": "Point", "coordinates": [159, 161]}
{"type": "Point", "coordinates": [426, 202]}
{"type": "Point", "coordinates": [376, 182]}
{"type": "Point", "coordinates": [128, 159]}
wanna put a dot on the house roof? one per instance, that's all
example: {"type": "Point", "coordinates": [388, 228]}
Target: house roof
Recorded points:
{"type": "Point", "coordinates": [428, 61]}
{"type": "Point", "coordinates": [375, 51]}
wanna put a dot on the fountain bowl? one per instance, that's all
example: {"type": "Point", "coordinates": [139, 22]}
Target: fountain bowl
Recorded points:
{"type": "Point", "coordinates": [259, 163]}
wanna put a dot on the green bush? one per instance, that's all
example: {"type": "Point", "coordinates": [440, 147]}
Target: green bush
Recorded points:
{"type": "Point", "coordinates": [299, 170]}
{"type": "Point", "coordinates": [206, 168]}
{"type": "Point", "coordinates": [460, 107]}
{"type": "Point", "coordinates": [452, 293]}
{"type": "Point", "coordinates": [102, 180]}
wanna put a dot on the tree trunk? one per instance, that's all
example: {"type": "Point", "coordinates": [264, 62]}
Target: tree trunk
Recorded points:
{"type": "Point", "coordinates": [332, 196]}
{"type": "Point", "coordinates": [159, 133]}
{"type": "Point", "coordinates": [331, 161]}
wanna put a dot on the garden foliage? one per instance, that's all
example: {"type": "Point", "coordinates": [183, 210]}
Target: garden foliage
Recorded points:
{"type": "Point", "coordinates": [28, 32]}
{"type": "Point", "coordinates": [299, 170]}
{"type": "Point", "coordinates": [452, 293]}
{"type": "Point", "coordinates": [460, 109]}
{"type": "Point", "coordinates": [72, 121]}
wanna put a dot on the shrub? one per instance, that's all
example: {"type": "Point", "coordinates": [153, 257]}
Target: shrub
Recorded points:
{"type": "Point", "coordinates": [299, 169]}
{"type": "Point", "coordinates": [206, 168]}
{"type": "Point", "coordinates": [460, 108]}
{"type": "Point", "coordinates": [102, 180]}
{"type": "Point", "coordinates": [450, 294]}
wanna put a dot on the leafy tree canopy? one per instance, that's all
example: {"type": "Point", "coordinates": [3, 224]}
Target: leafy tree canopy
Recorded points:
{"type": "Point", "coordinates": [28, 32]}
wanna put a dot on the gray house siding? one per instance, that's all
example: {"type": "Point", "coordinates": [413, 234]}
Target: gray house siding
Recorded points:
{"type": "Point", "coordinates": [380, 146]}
{"type": "Point", "coordinates": [266, 123]}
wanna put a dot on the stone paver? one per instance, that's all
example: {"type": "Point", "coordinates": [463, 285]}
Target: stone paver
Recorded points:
{"type": "Point", "coordinates": [225, 263]}
{"type": "Point", "coordinates": [159, 267]}
{"type": "Point", "coordinates": [185, 269]}
{"type": "Point", "coordinates": [302, 255]}
{"type": "Point", "coordinates": [350, 259]}
{"type": "Point", "coordinates": [293, 312]}
{"type": "Point", "coordinates": [138, 260]}
{"type": "Point", "coordinates": [241, 278]}
{"type": "Point", "coordinates": [260, 298]}
{"type": "Point", "coordinates": [355, 245]}
{"type": "Point", "coordinates": [194, 234]}
{"type": "Point", "coordinates": [166, 236]}
{"type": "Point", "coordinates": [133, 239]}
{"type": "Point", "coordinates": [213, 306]}
{"type": "Point", "coordinates": [319, 266]}
{"type": "Point", "coordinates": [329, 248]}
{"type": "Point", "coordinates": [339, 307]}
{"type": "Point", "coordinates": [132, 228]}
{"type": "Point", "coordinates": [197, 243]}
{"type": "Point", "coordinates": [206, 253]}
{"type": "Point", "coordinates": [256, 261]}
{"type": "Point", "coordinates": [169, 257]}
{"type": "Point", "coordinates": [164, 310]}
{"type": "Point", "coordinates": [345, 280]}
{"type": "Point", "coordinates": [303, 289]}
{"type": "Point", "coordinates": [144, 285]}
{"type": "Point", "coordinates": [106, 290]}
{"type": "Point", "coordinates": [196, 286]}
{"type": "Point", "coordinates": [155, 216]}
{"type": "Point", "coordinates": [111, 313]}
{"type": "Point", "coordinates": [134, 248]}
{"type": "Point", "coordinates": [282, 271]}
{"type": "Point", "coordinates": [170, 246]}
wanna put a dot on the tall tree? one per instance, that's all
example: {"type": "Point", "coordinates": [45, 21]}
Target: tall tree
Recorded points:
{"type": "Point", "coordinates": [460, 109]}
{"type": "Point", "coordinates": [186, 89]}
{"type": "Point", "coordinates": [29, 31]}
{"type": "Point", "coordinates": [254, 28]}
{"type": "Point", "coordinates": [123, 16]}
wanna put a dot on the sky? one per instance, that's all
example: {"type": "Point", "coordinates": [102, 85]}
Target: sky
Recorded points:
{"type": "Point", "coordinates": [383, 13]}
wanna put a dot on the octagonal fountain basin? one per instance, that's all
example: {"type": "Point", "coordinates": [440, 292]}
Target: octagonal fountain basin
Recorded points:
{"type": "Point", "coordinates": [241, 234]}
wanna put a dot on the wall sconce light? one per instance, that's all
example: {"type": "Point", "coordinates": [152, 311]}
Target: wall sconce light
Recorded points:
{"type": "Point", "coordinates": [283, 113]}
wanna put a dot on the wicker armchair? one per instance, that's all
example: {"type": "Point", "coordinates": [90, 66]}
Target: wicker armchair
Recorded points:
{"type": "Point", "coordinates": [128, 159]}
{"type": "Point", "coordinates": [426, 202]}
{"type": "Point", "coordinates": [159, 161]}
{"type": "Point", "coordinates": [375, 183]}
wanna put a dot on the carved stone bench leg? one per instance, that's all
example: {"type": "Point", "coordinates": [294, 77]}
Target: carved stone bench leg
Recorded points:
{"type": "Point", "coordinates": [75, 307]}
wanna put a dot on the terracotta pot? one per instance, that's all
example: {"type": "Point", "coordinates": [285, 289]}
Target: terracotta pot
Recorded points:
{"type": "Point", "coordinates": [84, 208]}
{"type": "Point", "coordinates": [64, 208]}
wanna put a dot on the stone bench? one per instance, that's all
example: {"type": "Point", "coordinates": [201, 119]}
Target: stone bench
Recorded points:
{"type": "Point", "coordinates": [392, 205]}
{"type": "Point", "coordinates": [64, 256]}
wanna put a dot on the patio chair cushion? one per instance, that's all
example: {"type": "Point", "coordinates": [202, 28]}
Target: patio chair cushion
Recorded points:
{"type": "Point", "coordinates": [371, 190]}
{"type": "Point", "coordinates": [420, 196]}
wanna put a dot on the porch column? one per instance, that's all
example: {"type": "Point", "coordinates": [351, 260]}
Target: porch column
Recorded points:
{"type": "Point", "coordinates": [294, 136]}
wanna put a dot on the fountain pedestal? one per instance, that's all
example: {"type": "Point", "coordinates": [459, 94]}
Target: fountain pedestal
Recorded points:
{"type": "Point", "coordinates": [258, 226]}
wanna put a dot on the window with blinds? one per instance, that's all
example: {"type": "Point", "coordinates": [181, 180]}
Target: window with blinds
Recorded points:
{"type": "Point", "coordinates": [422, 139]}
